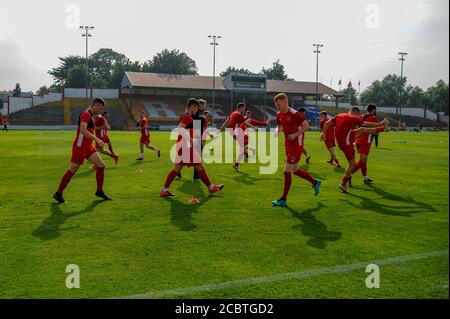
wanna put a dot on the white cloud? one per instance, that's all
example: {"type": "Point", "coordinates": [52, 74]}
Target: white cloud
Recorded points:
{"type": "Point", "coordinates": [14, 68]}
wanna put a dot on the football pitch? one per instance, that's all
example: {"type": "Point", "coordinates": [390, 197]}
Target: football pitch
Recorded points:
{"type": "Point", "coordinates": [230, 245]}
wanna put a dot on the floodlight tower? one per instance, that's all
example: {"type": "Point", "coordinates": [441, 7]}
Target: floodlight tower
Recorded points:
{"type": "Point", "coordinates": [86, 34]}
{"type": "Point", "coordinates": [214, 43]}
{"type": "Point", "coordinates": [317, 51]}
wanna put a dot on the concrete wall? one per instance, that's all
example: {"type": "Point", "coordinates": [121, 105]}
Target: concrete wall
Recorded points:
{"type": "Point", "coordinates": [411, 111]}
{"type": "Point", "coordinates": [81, 93]}
{"type": "Point", "coordinates": [51, 97]}
{"type": "Point", "coordinates": [76, 93]}
{"type": "Point", "coordinates": [19, 103]}
{"type": "Point", "coordinates": [4, 110]}
{"type": "Point", "coordinates": [443, 119]}
{"type": "Point", "coordinates": [106, 93]}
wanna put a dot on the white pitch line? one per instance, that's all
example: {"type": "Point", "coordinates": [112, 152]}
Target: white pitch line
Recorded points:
{"type": "Point", "coordinates": [281, 277]}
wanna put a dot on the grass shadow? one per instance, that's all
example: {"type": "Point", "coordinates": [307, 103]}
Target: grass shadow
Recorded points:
{"type": "Point", "coordinates": [136, 163]}
{"type": "Point", "coordinates": [339, 170]}
{"type": "Point", "coordinates": [51, 226]}
{"type": "Point", "coordinates": [245, 178]}
{"type": "Point", "coordinates": [314, 228]}
{"type": "Point", "coordinates": [412, 206]}
{"type": "Point", "coordinates": [180, 212]}
{"type": "Point", "coordinates": [86, 173]}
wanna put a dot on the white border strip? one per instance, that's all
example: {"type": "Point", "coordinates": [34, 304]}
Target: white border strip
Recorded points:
{"type": "Point", "coordinates": [280, 277]}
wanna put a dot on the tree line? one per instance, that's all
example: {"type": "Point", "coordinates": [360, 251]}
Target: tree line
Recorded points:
{"type": "Point", "coordinates": [107, 67]}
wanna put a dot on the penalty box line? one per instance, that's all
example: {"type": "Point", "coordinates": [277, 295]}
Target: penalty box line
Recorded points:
{"type": "Point", "coordinates": [281, 277]}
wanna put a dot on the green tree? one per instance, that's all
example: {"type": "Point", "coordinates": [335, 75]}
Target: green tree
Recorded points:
{"type": "Point", "coordinates": [43, 90]}
{"type": "Point", "coordinates": [276, 72]}
{"type": "Point", "coordinates": [102, 64]}
{"type": "Point", "coordinates": [390, 91]}
{"type": "Point", "coordinates": [232, 69]}
{"type": "Point", "coordinates": [61, 72]}
{"type": "Point", "coordinates": [77, 77]}
{"type": "Point", "coordinates": [417, 97]}
{"type": "Point", "coordinates": [171, 62]}
{"type": "Point", "coordinates": [439, 99]}
{"type": "Point", "coordinates": [346, 92]}
{"type": "Point", "coordinates": [17, 90]}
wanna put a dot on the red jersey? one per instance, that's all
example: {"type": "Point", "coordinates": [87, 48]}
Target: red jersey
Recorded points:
{"type": "Point", "coordinates": [343, 124]}
{"type": "Point", "coordinates": [188, 122]}
{"type": "Point", "coordinates": [291, 122]}
{"type": "Point", "coordinates": [142, 125]}
{"type": "Point", "coordinates": [365, 138]}
{"type": "Point", "coordinates": [236, 119]}
{"type": "Point", "coordinates": [100, 121]}
{"type": "Point", "coordinates": [80, 139]}
{"type": "Point", "coordinates": [252, 122]}
{"type": "Point", "coordinates": [330, 131]}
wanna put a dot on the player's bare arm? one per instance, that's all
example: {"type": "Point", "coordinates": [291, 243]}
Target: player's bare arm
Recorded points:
{"type": "Point", "coordinates": [324, 131]}
{"type": "Point", "coordinates": [247, 124]}
{"type": "Point", "coordinates": [372, 124]}
{"type": "Point", "coordinates": [227, 120]}
{"type": "Point", "coordinates": [89, 135]}
{"type": "Point", "coordinates": [278, 129]}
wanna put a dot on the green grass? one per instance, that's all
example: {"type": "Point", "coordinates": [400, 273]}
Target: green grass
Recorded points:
{"type": "Point", "coordinates": [140, 243]}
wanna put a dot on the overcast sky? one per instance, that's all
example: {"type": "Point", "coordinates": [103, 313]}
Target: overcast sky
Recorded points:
{"type": "Point", "coordinates": [361, 40]}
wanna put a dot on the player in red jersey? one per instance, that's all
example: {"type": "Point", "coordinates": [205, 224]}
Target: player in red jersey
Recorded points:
{"type": "Point", "coordinates": [187, 154]}
{"type": "Point", "coordinates": [145, 136]}
{"type": "Point", "coordinates": [307, 157]}
{"type": "Point", "coordinates": [329, 140]}
{"type": "Point", "coordinates": [82, 149]}
{"type": "Point", "coordinates": [236, 121]}
{"type": "Point", "coordinates": [255, 123]}
{"type": "Point", "coordinates": [363, 144]}
{"type": "Point", "coordinates": [293, 124]}
{"type": "Point", "coordinates": [101, 131]}
{"type": "Point", "coordinates": [344, 123]}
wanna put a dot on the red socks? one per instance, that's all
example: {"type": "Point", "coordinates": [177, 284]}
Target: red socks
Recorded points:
{"type": "Point", "coordinates": [345, 180]}
{"type": "Point", "coordinates": [110, 148]}
{"type": "Point", "coordinates": [304, 174]}
{"type": "Point", "coordinates": [337, 162]}
{"type": "Point", "coordinates": [287, 184]}
{"type": "Point", "coordinates": [170, 177]}
{"type": "Point", "coordinates": [100, 175]}
{"type": "Point", "coordinates": [64, 181]}
{"type": "Point", "coordinates": [358, 165]}
{"type": "Point", "coordinates": [204, 177]}
{"type": "Point", "coordinates": [364, 169]}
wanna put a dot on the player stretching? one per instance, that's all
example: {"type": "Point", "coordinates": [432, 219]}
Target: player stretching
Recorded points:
{"type": "Point", "coordinates": [344, 123]}
{"type": "Point", "coordinates": [293, 124]}
{"type": "Point", "coordinates": [200, 115]}
{"type": "Point", "coordinates": [82, 149]}
{"type": "Point", "coordinates": [255, 123]}
{"type": "Point", "coordinates": [363, 144]}
{"type": "Point", "coordinates": [364, 132]}
{"type": "Point", "coordinates": [187, 154]}
{"type": "Point", "coordinates": [236, 122]}
{"type": "Point", "coordinates": [329, 139]}
{"type": "Point", "coordinates": [101, 131]}
{"type": "Point", "coordinates": [145, 136]}
{"type": "Point", "coordinates": [308, 158]}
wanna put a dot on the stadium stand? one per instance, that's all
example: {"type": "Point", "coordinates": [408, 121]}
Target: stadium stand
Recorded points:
{"type": "Point", "coordinates": [38, 115]}
{"type": "Point", "coordinates": [67, 111]}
